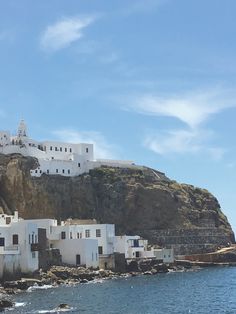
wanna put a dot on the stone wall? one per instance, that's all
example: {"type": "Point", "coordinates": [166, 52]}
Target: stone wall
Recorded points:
{"type": "Point", "coordinates": [189, 241]}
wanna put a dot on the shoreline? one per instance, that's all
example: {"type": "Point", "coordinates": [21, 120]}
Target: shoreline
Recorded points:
{"type": "Point", "coordinates": [66, 276]}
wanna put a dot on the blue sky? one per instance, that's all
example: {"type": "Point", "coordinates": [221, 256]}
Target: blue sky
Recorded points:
{"type": "Point", "coordinates": [148, 80]}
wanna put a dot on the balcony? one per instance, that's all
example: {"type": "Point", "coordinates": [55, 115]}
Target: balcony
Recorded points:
{"type": "Point", "coordinates": [34, 247]}
{"type": "Point", "coordinates": [10, 249]}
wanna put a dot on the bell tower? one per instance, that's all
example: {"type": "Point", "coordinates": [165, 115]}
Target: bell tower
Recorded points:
{"type": "Point", "coordinates": [22, 129]}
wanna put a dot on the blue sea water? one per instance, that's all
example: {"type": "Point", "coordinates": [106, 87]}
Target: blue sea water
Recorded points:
{"type": "Point", "coordinates": [209, 290]}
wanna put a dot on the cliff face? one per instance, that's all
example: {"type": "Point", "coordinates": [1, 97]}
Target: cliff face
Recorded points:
{"type": "Point", "coordinates": [142, 201]}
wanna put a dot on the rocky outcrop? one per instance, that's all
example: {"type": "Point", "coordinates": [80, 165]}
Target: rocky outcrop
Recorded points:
{"type": "Point", "coordinates": [138, 200]}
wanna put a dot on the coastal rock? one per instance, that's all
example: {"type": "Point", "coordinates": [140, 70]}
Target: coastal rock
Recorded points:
{"type": "Point", "coordinates": [5, 304]}
{"type": "Point", "coordinates": [138, 201]}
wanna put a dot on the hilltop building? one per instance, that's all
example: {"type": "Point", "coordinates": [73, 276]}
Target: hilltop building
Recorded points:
{"type": "Point", "coordinates": [56, 158]}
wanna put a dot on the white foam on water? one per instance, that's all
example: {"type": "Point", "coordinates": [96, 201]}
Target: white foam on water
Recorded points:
{"type": "Point", "coordinates": [56, 310]}
{"type": "Point", "coordinates": [36, 287]}
{"type": "Point", "coordinates": [18, 304]}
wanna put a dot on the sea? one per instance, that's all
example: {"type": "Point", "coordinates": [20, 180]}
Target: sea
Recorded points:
{"type": "Point", "coordinates": [198, 291]}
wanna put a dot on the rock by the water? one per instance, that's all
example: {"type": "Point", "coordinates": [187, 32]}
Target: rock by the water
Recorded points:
{"type": "Point", "coordinates": [5, 304]}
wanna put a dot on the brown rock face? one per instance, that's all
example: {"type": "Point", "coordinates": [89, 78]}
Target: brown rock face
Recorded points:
{"type": "Point", "coordinates": [136, 200]}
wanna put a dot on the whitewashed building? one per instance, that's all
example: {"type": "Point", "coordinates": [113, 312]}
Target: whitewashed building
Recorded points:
{"type": "Point", "coordinates": [131, 246]}
{"type": "Point", "coordinates": [81, 242]}
{"type": "Point", "coordinates": [134, 247]}
{"type": "Point", "coordinates": [103, 233]}
{"type": "Point", "coordinates": [55, 158]}
{"type": "Point", "coordinates": [18, 245]}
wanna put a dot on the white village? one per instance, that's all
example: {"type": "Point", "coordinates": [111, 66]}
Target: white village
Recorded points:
{"type": "Point", "coordinates": [28, 245]}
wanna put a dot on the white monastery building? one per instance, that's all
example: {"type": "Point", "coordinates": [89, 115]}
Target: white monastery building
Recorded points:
{"type": "Point", "coordinates": [55, 158]}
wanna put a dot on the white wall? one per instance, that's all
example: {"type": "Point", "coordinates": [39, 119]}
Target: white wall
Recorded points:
{"type": "Point", "coordinates": [86, 248]}
{"type": "Point", "coordinates": [28, 234]}
{"type": "Point", "coordinates": [106, 240]}
{"type": "Point", "coordinates": [9, 263]}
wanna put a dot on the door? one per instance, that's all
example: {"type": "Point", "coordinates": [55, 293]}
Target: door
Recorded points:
{"type": "Point", "coordinates": [77, 259]}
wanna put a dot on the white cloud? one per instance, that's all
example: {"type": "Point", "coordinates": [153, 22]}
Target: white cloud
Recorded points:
{"type": "Point", "coordinates": [102, 149]}
{"type": "Point", "coordinates": [193, 109]}
{"type": "Point", "coordinates": [64, 32]}
{"type": "Point", "coordinates": [182, 142]}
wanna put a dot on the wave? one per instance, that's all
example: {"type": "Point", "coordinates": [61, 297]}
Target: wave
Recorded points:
{"type": "Point", "coordinates": [56, 310]}
{"type": "Point", "coordinates": [18, 304]}
{"type": "Point", "coordinates": [36, 287]}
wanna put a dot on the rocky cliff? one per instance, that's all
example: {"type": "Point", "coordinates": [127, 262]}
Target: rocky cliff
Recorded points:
{"type": "Point", "coordinates": [138, 200]}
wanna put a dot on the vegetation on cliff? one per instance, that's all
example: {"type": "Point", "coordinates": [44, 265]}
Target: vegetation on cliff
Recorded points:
{"type": "Point", "coordinates": [134, 199]}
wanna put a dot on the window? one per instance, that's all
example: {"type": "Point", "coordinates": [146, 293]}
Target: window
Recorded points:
{"type": "Point", "coordinates": [47, 171]}
{"type": "Point", "coordinates": [2, 241]}
{"type": "Point", "coordinates": [36, 239]}
{"type": "Point", "coordinates": [56, 149]}
{"type": "Point", "coordinates": [68, 171]}
{"type": "Point", "coordinates": [33, 255]}
{"type": "Point", "coordinates": [60, 149]}
{"type": "Point", "coordinates": [92, 256]}
{"type": "Point", "coordinates": [70, 150]}
{"type": "Point", "coordinates": [40, 171]}
{"type": "Point", "coordinates": [100, 250]}
{"type": "Point", "coordinates": [98, 233]}
{"type": "Point", "coordinates": [56, 170]}
{"type": "Point", "coordinates": [87, 233]}
{"type": "Point", "coordinates": [63, 235]}
{"type": "Point", "coordinates": [50, 147]}
{"type": "Point", "coordinates": [32, 238]}
{"type": "Point", "coordinates": [15, 239]}
{"type": "Point", "coordinates": [63, 170]}
{"type": "Point", "coordinates": [86, 149]}
{"type": "Point", "coordinates": [65, 149]}
{"type": "Point", "coordinates": [29, 238]}
{"type": "Point", "coordinates": [8, 220]}
{"type": "Point", "coordinates": [78, 164]}
{"type": "Point", "coordinates": [77, 235]}
{"type": "Point", "coordinates": [36, 171]}
{"type": "Point", "coordinates": [70, 235]}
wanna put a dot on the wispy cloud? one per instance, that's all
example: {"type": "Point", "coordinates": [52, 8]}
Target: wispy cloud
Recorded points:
{"type": "Point", "coordinates": [182, 142]}
{"type": "Point", "coordinates": [193, 109]}
{"type": "Point", "coordinates": [102, 149]}
{"type": "Point", "coordinates": [64, 32]}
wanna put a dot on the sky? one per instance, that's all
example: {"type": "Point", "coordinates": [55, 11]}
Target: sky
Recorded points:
{"type": "Point", "coordinates": [151, 81]}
